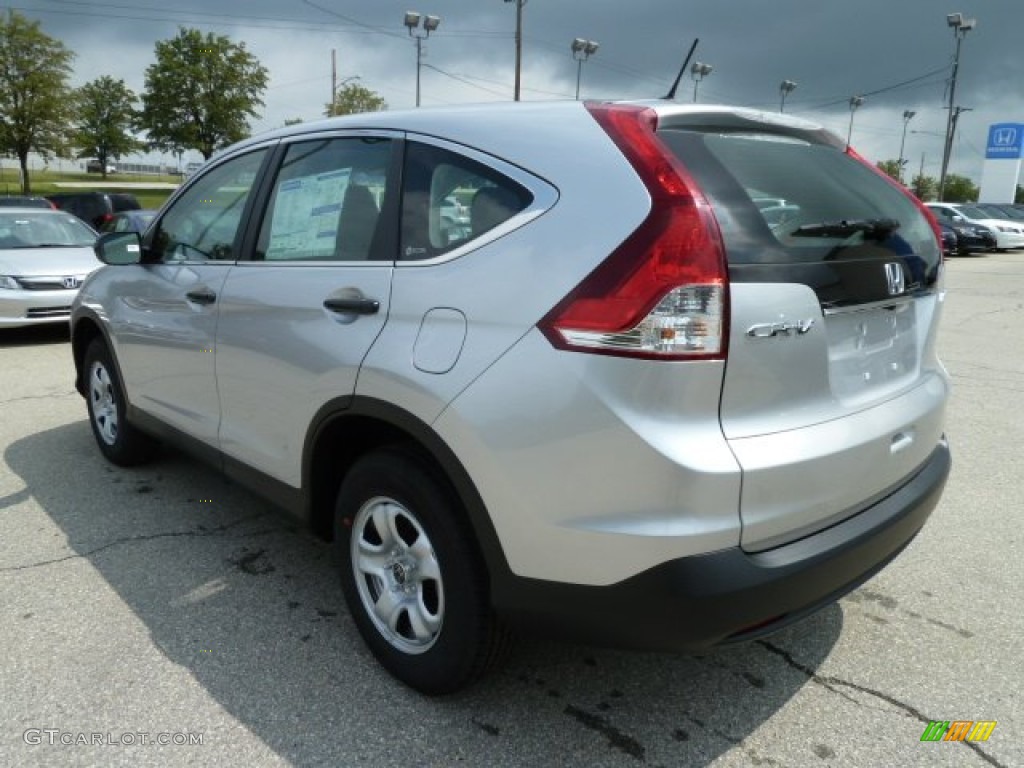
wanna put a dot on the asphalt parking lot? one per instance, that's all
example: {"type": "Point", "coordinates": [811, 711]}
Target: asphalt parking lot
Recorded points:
{"type": "Point", "coordinates": [165, 604]}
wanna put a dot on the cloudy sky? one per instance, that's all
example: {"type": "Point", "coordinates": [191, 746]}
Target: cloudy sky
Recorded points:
{"type": "Point", "coordinates": [897, 52]}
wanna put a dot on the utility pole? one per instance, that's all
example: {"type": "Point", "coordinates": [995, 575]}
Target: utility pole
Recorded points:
{"type": "Point", "coordinates": [960, 27]}
{"type": "Point", "coordinates": [519, 42]}
{"type": "Point", "coordinates": [334, 77]}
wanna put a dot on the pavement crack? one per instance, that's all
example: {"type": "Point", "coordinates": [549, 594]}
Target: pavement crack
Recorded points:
{"type": "Point", "coordinates": [828, 681]}
{"type": "Point", "coordinates": [47, 396]}
{"type": "Point", "coordinates": [616, 738]}
{"type": "Point", "coordinates": [136, 539]}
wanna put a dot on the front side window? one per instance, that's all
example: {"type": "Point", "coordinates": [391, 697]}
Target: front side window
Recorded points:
{"type": "Point", "coordinates": [327, 200]}
{"type": "Point", "coordinates": [449, 200]}
{"type": "Point", "coordinates": [203, 224]}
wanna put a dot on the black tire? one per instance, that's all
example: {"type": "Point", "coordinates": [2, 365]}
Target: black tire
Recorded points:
{"type": "Point", "coordinates": [118, 440]}
{"type": "Point", "coordinates": [435, 629]}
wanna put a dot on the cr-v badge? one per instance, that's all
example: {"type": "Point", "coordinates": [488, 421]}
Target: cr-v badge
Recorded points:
{"type": "Point", "coordinates": [767, 330]}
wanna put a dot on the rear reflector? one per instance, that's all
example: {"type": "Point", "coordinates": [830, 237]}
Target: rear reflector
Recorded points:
{"type": "Point", "coordinates": [663, 293]}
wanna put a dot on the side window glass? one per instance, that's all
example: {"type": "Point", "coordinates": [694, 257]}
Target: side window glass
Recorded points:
{"type": "Point", "coordinates": [449, 199]}
{"type": "Point", "coordinates": [203, 223]}
{"type": "Point", "coordinates": [326, 202]}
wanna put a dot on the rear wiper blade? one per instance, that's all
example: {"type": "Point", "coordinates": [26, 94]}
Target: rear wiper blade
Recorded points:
{"type": "Point", "coordinates": [874, 229]}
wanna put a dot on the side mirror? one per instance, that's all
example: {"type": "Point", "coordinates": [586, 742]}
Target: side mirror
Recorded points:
{"type": "Point", "coordinates": [119, 248]}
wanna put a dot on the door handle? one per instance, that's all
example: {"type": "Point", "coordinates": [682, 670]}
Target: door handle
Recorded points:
{"type": "Point", "coordinates": [201, 296]}
{"type": "Point", "coordinates": [360, 306]}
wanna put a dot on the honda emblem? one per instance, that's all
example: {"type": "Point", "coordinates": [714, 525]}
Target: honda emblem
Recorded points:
{"type": "Point", "coordinates": [894, 278]}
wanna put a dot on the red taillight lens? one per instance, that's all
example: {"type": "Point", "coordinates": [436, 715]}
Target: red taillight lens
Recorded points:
{"type": "Point", "coordinates": [663, 293]}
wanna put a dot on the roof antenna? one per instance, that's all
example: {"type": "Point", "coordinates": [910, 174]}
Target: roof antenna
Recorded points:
{"type": "Point", "coordinates": [672, 91]}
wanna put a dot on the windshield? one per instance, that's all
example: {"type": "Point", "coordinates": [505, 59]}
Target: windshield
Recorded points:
{"type": "Point", "coordinates": [43, 229]}
{"type": "Point", "coordinates": [970, 212]}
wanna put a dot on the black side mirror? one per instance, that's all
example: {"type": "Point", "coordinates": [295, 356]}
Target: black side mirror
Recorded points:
{"type": "Point", "coordinates": [119, 248]}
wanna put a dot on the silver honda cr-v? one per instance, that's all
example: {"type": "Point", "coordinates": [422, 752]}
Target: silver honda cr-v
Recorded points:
{"type": "Point", "coordinates": [669, 382]}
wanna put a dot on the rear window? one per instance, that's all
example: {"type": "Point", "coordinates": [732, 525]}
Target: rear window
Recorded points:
{"type": "Point", "coordinates": [781, 200]}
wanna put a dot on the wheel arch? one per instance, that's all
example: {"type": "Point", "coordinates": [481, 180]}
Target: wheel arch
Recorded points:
{"type": "Point", "coordinates": [86, 329]}
{"type": "Point", "coordinates": [347, 428]}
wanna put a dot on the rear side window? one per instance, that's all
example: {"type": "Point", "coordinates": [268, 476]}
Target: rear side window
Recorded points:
{"type": "Point", "coordinates": [785, 201]}
{"type": "Point", "coordinates": [449, 200]}
{"type": "Point", "coordinates": [327, 200]}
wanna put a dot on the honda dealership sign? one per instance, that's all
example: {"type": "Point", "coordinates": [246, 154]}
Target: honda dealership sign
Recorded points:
{"type": "Point", "coordinates": [1004, 141]}
{"type": "Point", "coordinates": [1003, 152]}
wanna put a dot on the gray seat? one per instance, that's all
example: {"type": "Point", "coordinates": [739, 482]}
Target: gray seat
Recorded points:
{"type": "Point", "coordinates": [357, 223]}
{"type": "Point", "coordinates": [490, 207]}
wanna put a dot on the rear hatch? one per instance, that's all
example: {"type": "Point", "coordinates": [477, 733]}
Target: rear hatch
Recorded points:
{"type": "Point", "coordinates": [832, 395]}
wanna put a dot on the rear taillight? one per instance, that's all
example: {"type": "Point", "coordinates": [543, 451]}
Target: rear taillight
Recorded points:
{"type": "Point", "coordinates": [663, 293]}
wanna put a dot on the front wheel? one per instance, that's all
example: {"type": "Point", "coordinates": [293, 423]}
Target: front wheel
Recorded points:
{"type": "Point", "coordinates": [118, 440]}
{"type": "Point", "coordinates": [413, 579]}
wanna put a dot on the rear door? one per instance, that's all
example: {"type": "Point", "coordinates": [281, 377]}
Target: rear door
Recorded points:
{"type": "Point", "coordinates": [300, 313]}
{"type": "Point", "coordinates": [833, 395]}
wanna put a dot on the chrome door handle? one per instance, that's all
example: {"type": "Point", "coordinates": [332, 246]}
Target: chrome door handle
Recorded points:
{"type": "Point", "coordinates": [353, 306]}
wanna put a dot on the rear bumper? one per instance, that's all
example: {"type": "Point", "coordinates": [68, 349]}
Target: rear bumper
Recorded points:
{"type": "Point", "coordinates": [729, 595]}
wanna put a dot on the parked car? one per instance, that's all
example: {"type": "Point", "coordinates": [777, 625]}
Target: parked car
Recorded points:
{"type": "Point", "coordinates": [25, 201]}
{"type": "Point", "coordinates": [1005, 211]}
{"type": "Point", "coordinates": [1008, 234]}
{"type": "Point", "coordinates": [950, 240]}
{"type": "Point", "coordinates": [95, 166]}
{"type": "Point", "coordinates": [45, 255]}
{"type": "Point", "coordinates": [597, 413]}
{"type": "Point", "coordinates": [129, 221]}
{"type": "Point", "coordinates": [94, 208]}
{"type": "Point", "coordinates": [973, 238]}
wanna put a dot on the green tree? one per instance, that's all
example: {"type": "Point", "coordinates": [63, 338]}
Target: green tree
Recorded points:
{"type": "Point", "coordinates": [105, 116]}
{"type": "Point", "coordinates": [352, 98]}
{"type": "Point", "coordinates": [201, 93]}
{"type": "Point", "coordinates": [959, 189]}
{"type": "Point", "coordinates": [890, 168]}
{"type": "Point", "coordinates": [924, 187]}
{"type": "Point", "coordinates": [34, 93]}
{"type": "Point", "coordinates": [1018, 198]}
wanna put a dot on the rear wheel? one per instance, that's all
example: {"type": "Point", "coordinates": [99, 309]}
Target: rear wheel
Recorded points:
{"type": "Point", "coordinates": [413, 579]}
{"type": "Point", "coordinates": [118, 440]}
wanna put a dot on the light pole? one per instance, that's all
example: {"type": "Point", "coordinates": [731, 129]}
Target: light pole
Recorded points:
{"type": "Point", "coordinates": [855, 102]}
{"type": "Point", "coordinates": [961, 27]}
{"type": "Point", "coordinates": [786, 88]}
{"type": "Point", "coordinates": [519, 42]}
{"type": "Point", "coordinates": [581, 51]}
{"type": "Point", "coordinates": [907, 117]}
{"type": "Point", "coordinates": [698, 72]}
{"type": "Point", "coordinates": [412, 23]}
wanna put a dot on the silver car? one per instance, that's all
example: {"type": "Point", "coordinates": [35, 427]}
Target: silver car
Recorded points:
{"type": "Point", "coordinates": [620, 405]}
{"type": "Point", "coordinates": [45, 255]}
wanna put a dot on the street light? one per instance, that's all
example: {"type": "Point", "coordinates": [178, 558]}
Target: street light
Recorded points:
{"type": "Point", "coordinates": [412, 23]}
{"type": "Point", "coordinates": [907, 117]}
{"type": "Point", "coordinates": [855, 102]}
{"type": "Point", "coordinates": [786, 88]}
{"type": "Point", "coordinates": [960, 27]}
{"type": "Point", "coordinates": [581, 51]}
{"type": "Point", "coordinates": [698, 72]}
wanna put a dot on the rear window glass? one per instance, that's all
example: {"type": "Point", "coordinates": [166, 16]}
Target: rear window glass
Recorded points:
{"type": "Point", "coordinates": [782, 200]}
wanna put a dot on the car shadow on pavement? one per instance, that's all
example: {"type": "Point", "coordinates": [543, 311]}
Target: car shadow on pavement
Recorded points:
{"type": "Point", "coordinates": [35, 335]}
{"type": "Point", "coordinates": [247, 601]}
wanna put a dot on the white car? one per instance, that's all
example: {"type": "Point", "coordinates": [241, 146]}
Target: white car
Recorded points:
{"type": "Point", "coordinates": [1009, 233]}
{"type": "Point", "coordinates": [45, 256]}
